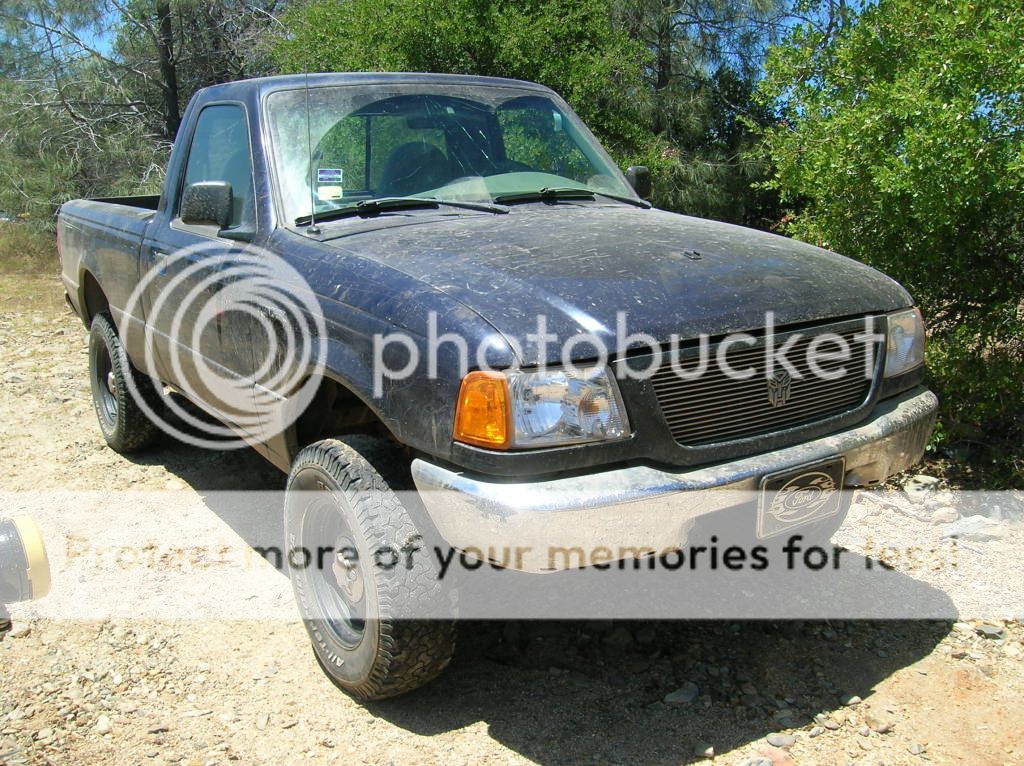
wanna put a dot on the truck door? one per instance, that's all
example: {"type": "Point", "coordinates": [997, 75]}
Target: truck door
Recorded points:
{"type": "Point", "coordinates": [186, 267]}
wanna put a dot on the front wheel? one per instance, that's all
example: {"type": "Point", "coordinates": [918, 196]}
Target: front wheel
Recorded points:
{"type": "Point", "coordinates": [364, 579]}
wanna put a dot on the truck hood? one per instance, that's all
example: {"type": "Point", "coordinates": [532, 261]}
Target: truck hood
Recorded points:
{"type": "Point", "coordinates": [579, 265]}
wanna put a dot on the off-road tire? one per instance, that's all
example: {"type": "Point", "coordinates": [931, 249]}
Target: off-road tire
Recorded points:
{"type": "Point", "coordinates": [124, 424]}
{"type": "Point", "coordinates": [394, 654]}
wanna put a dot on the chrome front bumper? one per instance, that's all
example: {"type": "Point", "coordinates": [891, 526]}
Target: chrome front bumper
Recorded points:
{"type": "Point", "coordinates": [530, 525]}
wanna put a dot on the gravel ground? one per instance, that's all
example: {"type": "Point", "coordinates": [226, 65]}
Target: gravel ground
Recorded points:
{"type": "Point", "coordinates": [181, 690]}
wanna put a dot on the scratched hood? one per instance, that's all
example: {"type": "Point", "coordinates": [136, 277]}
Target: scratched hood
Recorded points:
{"type": "Point", "coordinates": [578, 265]}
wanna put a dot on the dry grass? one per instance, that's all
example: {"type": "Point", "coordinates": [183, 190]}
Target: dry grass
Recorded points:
{"type": "Point", "coordinates": [25, 249]}
{"type": "Point", "coordinates": [29, 270]}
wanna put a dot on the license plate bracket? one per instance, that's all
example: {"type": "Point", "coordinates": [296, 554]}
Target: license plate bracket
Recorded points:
{"type": "Point", "coordinates": [799, 496]}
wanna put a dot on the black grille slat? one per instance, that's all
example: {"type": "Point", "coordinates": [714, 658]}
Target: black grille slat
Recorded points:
{"type": "Point", "coordinates": [767, 418]}
{"type": "Point", "coordinates": [757, 393]}
{"type": "Point", "coordinates": [710, 386]}
{"type": "Point", "coordinates": [714, 408]}
{"type": "Point", "coordinates": [752, 397]}
{"type": "Point", "coordinates": [722, 391]}
{"type": "Point", "coordinates": [745, 352]}
{"type": "Point", "coordinates": [717, 432]}
{"type": "Point", "coordinates": [668, 375]}
{"type": "Point", "coordinates": [712, 380]}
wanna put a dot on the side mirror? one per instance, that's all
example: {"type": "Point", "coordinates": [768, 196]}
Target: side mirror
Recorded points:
{"type": "Point", "coordinates": [207, 203]}
{"type": "Point", "coordinates": [639, 178]}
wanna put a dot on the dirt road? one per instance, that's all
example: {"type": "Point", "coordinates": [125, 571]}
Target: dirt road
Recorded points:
{"type": "Point", "coordinates": [220, 691]}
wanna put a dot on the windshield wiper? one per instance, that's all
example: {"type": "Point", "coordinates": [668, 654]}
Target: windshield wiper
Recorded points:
{"type": "Point", "coordinates": [547, 194]}
{"type": "Point", "coordinates": [623, 198]}
{"type": "Point", "coordinates": [371, 207]}
{"type": "Point", "coordinates": [551, 194]}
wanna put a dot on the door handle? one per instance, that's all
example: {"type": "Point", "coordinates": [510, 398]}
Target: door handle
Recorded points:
{"type": "Point", "coordinates": [159, 257]}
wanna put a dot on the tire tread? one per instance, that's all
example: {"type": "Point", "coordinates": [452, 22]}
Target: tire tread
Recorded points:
{"type": "Point", "coordinates": [134, 431]}
{"type": "Point", "coordinates": [411, 652]}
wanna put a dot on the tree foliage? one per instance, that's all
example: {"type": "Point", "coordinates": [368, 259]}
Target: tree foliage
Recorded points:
{"type": "Point", "coordinates": [91, 91]}
{"type": "Point", "coordinates": [666, 84]}
{"type": "Point", "coordinates": [661, 83]}
{"type": "Point", "coordinates": [704, 57]}
{"type": "Point", "coordinates": [901, 143]}
{"type": "Point", "coordinates": [570, 45]}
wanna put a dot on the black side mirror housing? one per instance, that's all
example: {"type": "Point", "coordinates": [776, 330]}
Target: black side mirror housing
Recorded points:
{"type": "Point", "coordinates": [207, 203]}
{"type": "Point", "coordinates": [639, 178]}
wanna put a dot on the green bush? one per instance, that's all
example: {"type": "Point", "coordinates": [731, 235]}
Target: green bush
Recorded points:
{"type": "Point", "coordinates": [975, 368]}
{"type": "Point", "coordinates": [901, 143]}
{"type": "Point", "coordinates": [690, 136]}
{"type": "Point", "coordinates": [569, 45]}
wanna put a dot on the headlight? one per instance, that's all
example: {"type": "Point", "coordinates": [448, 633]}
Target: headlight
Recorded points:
{"type": "Point", "coordinates": [517, 410]}
{"type": "Point", "coordinates": [905, 349]}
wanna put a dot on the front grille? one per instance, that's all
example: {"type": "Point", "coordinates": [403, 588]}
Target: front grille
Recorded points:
{"type": "Point", "coordinates": [715, 408]}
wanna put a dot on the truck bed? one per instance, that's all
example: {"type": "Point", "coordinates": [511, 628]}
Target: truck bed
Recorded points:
{"type": "Point", "coordinates": [144, 201]}
{"type": "Point", "coordinates": [103, 237]}
{"type": "Point", "coordinates": [129, 215]}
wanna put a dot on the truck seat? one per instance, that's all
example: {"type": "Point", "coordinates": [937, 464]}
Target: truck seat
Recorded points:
{"type": "Point", "coordinates": [413, 168]}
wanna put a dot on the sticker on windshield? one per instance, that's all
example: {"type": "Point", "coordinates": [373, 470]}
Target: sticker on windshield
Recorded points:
{"type": "Point", "coordinates": [328, 192]}
{"type": "Point", "coordinates": [330, 176]}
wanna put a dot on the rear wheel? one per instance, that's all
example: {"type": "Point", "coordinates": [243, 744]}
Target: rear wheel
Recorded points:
{"type": "Point", "coordinates": [363, 577]}
{"type": "Point", "coordinates": [125, 425]}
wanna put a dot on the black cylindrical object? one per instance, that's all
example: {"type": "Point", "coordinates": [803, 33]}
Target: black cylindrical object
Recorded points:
{"type": "Point", "coordinates": [24, 568]}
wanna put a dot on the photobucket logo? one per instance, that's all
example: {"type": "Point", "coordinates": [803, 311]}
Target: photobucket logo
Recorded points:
{"type": "Point", "coordinates": [780, 358]}
{"type": "Point", "coordinates": [239, 333]}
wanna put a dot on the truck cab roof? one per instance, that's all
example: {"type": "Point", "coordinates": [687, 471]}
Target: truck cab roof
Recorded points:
{"type": "Point", "coordinates": [261, 86]}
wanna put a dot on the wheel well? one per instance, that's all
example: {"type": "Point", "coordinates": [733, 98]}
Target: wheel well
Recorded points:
{"type": "Point", "coordinates": [334, 411]}
{"type": "Point", "coordinates": [94, 300]}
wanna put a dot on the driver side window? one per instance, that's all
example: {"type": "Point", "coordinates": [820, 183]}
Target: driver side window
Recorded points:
{"type": "Point", "coordinates": [220, 152]}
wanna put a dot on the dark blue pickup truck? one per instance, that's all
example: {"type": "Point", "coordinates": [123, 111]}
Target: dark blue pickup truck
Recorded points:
{"type": "Point", "coordinates": [443, 284]}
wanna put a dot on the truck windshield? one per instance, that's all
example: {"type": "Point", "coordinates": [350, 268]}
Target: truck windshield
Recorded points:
{"type": "Point", "coordinates": [469, 143]}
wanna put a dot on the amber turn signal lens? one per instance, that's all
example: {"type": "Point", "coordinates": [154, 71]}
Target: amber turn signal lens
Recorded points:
{"type": "Point", "coordinates": [482, 416]}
